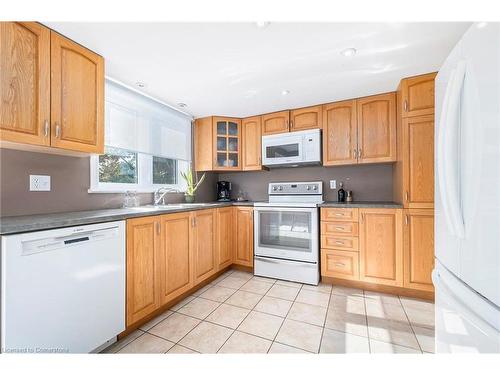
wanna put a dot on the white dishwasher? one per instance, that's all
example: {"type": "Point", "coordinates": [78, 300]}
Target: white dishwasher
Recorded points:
{"type": "Point", "coordinates": [63, 290]}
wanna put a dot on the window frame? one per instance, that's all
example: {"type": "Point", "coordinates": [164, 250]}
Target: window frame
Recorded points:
{"type": "Point", "coordinates": [144, 177]}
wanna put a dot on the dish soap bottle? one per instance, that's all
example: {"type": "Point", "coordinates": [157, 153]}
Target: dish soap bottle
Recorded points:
{"type": "Point", "coordinates": [341, 193]}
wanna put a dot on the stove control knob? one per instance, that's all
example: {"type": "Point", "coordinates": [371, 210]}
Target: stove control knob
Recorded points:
{"type": "Point", "coordinates": [275, 188]}
{"type": "Point", "coordinates": [315, 187]}
{"type": "Point", "coordinates": [280, 188]}
{"type": "Point", "coordinates": [308, 187]}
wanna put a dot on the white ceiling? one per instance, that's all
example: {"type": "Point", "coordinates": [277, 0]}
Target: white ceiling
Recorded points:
{"type": "Point", "coordinates": [238, 69]}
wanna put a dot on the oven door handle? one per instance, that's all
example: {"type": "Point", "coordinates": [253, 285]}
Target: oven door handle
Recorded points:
{"type": "Point", "coordinates": [286, 209]}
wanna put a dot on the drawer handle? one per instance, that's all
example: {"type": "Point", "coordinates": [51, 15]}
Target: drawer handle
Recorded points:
{"type": "Point", "coordinates": [339, 214]}
{"type": "Point", "coordinates": [340, 228]}
{"type": "Point", "coordinates": [339, 242]}
{"type": "Point", "coordinates": [338, 264]}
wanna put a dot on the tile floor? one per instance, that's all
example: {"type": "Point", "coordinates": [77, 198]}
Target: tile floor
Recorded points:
{"type": "Point", "coordinates": [242, 313]}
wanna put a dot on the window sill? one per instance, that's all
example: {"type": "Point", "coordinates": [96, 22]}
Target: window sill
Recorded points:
{"type": "Point", "coordinates": [121, 191]}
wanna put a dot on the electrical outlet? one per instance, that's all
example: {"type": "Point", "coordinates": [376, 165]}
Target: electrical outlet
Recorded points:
{"type": "Point", "coordinates": [39, 183]}
{"type": "Point", "coordinates": [333, 184]}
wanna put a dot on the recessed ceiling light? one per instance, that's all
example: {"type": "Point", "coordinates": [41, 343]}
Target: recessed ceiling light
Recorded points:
{"type": "Point", "coordinates": [348, 52]}
{"type": "Point", "coordinates": [262, 24]}
{"type": "Point", "coordinates": [480, 25]}
{"type": "Point", "coordinates": [285, 92]}
{"type": "Point", "coordinates": [182, 105]}
{"type": "Point", "coordinates": [140, 84]}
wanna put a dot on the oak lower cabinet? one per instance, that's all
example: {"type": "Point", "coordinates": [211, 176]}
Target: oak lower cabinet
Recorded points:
{"type": "Point", "coordinates": [340, 264]}
{"type": "Point", "coordinates": [143, 267]}
{"type": "Point", "coordinates": [176, 255]}
{"type": "Point", "coordinates": [225, 236]}
{"type": "Point", "coordinates": [381, 246]}
{"type": "Point", "coordinates": [204, 248]}
{"type": "Point", "coordinates": [52, 91]}
{"type": "Point", "coordinates": [244, 236]}
{"type": "Point", "coordinates": [418, 248]}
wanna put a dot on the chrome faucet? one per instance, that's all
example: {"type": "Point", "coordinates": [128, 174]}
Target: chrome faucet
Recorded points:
{"type": "Point", "coordinates": [159, 195]}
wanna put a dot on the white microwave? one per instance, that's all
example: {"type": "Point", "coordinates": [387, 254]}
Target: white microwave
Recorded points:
{"type": "Point", "coordinates": [292, 149]}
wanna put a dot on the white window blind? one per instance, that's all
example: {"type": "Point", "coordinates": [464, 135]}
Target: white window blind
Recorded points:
{"type": "Point", "coordinates": [137, 123]}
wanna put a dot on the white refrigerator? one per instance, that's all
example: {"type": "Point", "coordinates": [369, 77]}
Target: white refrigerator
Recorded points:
{"type": "Point", "coordinates": [467, 195]}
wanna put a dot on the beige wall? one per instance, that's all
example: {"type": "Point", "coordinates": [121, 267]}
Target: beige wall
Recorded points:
{"type": "Point", "coordinates": [70, 180]}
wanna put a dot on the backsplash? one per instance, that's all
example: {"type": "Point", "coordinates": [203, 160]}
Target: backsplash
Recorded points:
{"type": "Point", "coordinates": [70, 180]}
{"type": "Point", "coordinates": [368, 182]}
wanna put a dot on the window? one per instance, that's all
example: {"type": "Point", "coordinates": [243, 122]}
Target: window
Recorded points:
{"type": "Point", "coordinates": [147, 144]}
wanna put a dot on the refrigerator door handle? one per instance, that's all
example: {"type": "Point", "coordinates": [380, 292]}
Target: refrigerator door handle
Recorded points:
{"type": "Point", "coordinates": [451, 156]}
{"type": "Point", "coordinates": [447, 160]}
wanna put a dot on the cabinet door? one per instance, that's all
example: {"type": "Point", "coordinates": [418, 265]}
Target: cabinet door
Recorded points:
{"type": "Point", "coordinates": [176, 256]}
{"type": "Point", "coordinates": [339, 263]}
{"type": "Point", "coordinates": [77, 97]}
{"type": "Point", "coordinates": [203, 136]}
{"type": "Point", "coordinates": [340, 133]}
{"type": "Point", "coordinates": [244, 236]}
{"type": "Point", "coordinates": [418, 161]}
{"type": "Point", "coordinates": [306, 118]}
{"type": "Point", "coordinates": [381, 246]}
{"type": "Point", "coordinates": [277, 122]}
{"type": "Point", "coordinates": [252, 149]}
{"type": "Point", "coordinates": [204, 254]}
{"type": "Point", "coordinates": [25, 83]}
{"type": "Point", "coordinates": [417, 95]}
{"type": "Point", "coordinates": [143, 243]}
{"type": "Point", "coordinates": [377, 128]}
{"type": "Point", "coordinates": [225, 237]}
{"type": "Point", "coordinates": [227, 143]}
{"type": "Point", "coordinates": [418, 249]}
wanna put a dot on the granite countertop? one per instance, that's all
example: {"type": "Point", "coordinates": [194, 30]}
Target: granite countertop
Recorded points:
{"type": "Point", "coordinates": [361, 204]}
{"type": "Point", "coordinates": [31, 223]}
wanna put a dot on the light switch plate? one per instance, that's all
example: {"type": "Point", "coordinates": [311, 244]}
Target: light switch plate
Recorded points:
{"type": "Point", "coordinates": [39, 183]}
{"type": "Point", "coordinates": [333, 184]}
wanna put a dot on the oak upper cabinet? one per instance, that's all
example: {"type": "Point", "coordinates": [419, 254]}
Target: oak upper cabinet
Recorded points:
{"type": "Point", "coordinates": [25, 83]}
{"type": "Point", "coordinates": [205, 251]}
{"type": "Point", "coordinates": [176, 256]}
{"type": "Point", "coordinates": [244, 236]}
{"type": "Point", "coordinates": [225, 237]}
{"type": "Point", "coordinates": [306, 118]}
{"type": "Point", "coordinates": [277, 122]}
{"type": "Point", "coordinates": [252, 146]}
{"type": "Point", "coordinates": [52, 91]}
{"type": "Point", "coordinates": [418, 249]}
{"type": "Point", "coordinates": [418, 162]}
{"type": "Point", "coordinates": [377, 128]}
{"type": "Point", "coordinates": [217, 143]}
{"type": "Point", "coordinates": [417, 95]}
{"type": "Point", "coordinates": [340, 133]}
{"type": "Point", "coordinates": [381, 246]}
{"type": "Point", "coordinates": [143, 256]}
{"type": "Point", "coordinates": [77, 97]}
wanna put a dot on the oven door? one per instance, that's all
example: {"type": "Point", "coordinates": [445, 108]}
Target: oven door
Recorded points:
{"type": "Point", "coordinates": [286, 233]}
{"type": "Point", "coordinates": [278, 150]}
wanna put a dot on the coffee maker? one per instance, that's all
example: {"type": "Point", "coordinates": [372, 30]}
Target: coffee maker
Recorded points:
{"type": "Point", "coordinates": [223, 191]}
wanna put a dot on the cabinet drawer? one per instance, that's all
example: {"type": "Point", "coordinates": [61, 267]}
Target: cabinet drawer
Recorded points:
{"type": "Point", "coordinates": [337, 242]}
{"type": "Point", "coordinates": [339, 214]}
{"type": "Point", "coordinates": [339, 263]}
{"type": "Point", "coordinates": [343, 228]}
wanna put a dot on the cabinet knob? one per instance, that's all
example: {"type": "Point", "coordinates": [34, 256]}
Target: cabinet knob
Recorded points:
{"type": "Point", "coordinates": [355, 153]}
{"type": "Point", "coordinates": [360, 152]}
{"type": "Point", "coordinates": [405, 105]}
{"type": "Point", "coordinates": [406, 196]}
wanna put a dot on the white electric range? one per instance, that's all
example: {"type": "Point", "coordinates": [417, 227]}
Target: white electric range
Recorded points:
{"type": "Point", "coordinates": [286, 233]}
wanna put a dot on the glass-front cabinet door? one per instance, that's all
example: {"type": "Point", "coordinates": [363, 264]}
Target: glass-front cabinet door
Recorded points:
{"type": "Point", "coordinates": [287, 233]}
{"type": "Point", "coordinates": [227, 143]}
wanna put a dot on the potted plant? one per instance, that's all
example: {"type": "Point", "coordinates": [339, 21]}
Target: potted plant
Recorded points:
{"type": "Point", "coordinates": [191, 185]}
